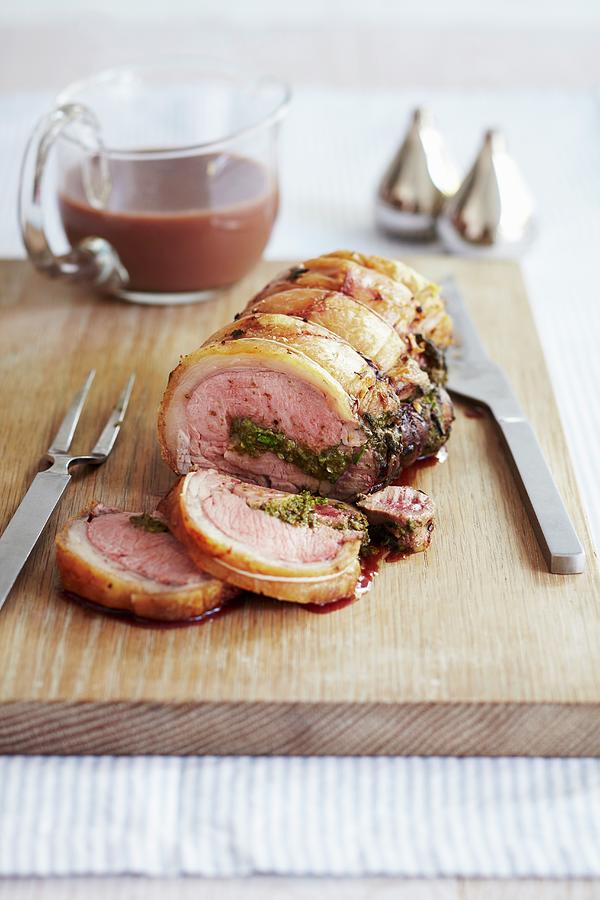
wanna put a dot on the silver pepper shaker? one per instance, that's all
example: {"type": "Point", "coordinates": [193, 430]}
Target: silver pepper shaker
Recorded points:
{"type": "Point", "coordinates": [492, 212]}
{"type": "Point", "coordinates": [418, 181]}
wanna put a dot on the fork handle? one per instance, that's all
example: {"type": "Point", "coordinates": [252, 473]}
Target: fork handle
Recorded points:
{"type": "Point", "coordinates": [557, 537]}
{"type": "Point", "coordinates": [22, 532]}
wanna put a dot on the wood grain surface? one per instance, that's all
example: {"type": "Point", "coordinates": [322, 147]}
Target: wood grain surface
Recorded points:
{"type": "Point", "coordinates": [472, 648]}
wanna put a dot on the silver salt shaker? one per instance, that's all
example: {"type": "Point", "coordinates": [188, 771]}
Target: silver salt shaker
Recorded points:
{"type": "Point", "coordinates": [419, 180]}
{"type": "Point", "coordinates": [492, 212]}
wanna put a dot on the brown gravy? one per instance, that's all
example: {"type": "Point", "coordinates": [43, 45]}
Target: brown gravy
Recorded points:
{"type": "Point", "coordinates": [178, 225]}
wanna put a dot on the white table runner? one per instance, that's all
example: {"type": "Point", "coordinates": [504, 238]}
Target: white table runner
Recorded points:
{"type": "Point", "coordinates": [237, 816]}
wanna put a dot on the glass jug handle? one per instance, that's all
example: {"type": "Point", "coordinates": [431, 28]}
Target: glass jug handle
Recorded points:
{"type": "Point", "coordinates": [93, 259]}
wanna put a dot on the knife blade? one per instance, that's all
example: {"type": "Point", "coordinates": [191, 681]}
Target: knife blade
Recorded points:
{"type": "Point", "coordinates": [473, 375]}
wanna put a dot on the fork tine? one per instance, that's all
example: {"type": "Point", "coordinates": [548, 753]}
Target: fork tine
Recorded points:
{"type": "Point", "coordinates": [64, 435]}
{"type": "Point", "coordinates": [107, 439]}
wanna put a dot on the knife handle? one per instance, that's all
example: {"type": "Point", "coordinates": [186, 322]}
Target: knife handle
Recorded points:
{"type": "Point", "coordinates": [22, 532]}
{"type": "Point", "coordinates": [554, 530]}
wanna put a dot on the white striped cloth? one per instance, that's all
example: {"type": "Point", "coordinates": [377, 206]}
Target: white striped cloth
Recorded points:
{"type": "Point", "coordinates": [411, 817]}
{"type": "Point", "coordinates": [164, 816]}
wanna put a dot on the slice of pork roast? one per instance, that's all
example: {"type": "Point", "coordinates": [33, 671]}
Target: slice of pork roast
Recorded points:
{"type": "Point", "coordinates": [288, 404]}
{"type": "Point", "coordinates": [403, 517]}
{"type": "Point", "coordinates": [129, 561]}
{"type": "Point", "coordinates": [293, 547]}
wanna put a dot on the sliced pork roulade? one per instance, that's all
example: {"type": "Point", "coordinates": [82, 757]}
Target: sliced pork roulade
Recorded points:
{"type": "Point", "coordinates": [403, 517]}
{"type": "Point", "coordinates": [431, 319]}
{"type": "Point", "coordinates": [288, 405]}
{"type": "Point", "coordinates": [309, 389]}
{"type": "Point", "coordinates": [130, 561]}
{"type": "Point", "coordinates": [370, 393]}
{"type": "Point", "coordinates": [293, 547]}
{"type": "Point", "coordinates": [417, 379]}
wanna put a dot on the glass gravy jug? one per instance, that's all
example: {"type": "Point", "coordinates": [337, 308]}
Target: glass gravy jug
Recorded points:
{"type": "Point", "coordinates": [166, 179]}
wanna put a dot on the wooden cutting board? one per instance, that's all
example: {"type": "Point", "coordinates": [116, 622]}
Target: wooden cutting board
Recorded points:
{"type": "Point", "coordinates": [472, 648]}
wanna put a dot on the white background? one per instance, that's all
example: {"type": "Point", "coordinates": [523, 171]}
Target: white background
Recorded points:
{"type": "Point", "coordinates": [473, 44]}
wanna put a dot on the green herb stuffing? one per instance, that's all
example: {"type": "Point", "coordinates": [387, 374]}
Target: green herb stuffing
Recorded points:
{"type": "Point", "coordinates": [328, 464]}
{"type": "Point", "coordinates": [405, 528]}
{"type": "Point", "coordinates": [358, 522]}
{"type": "Point", "coordinates": [429, 407]}
{"type": "Point", "coordinates": [387, 436]}
{"type": "Point", "coordinates": [297, 509]}
{"type": "Point", "coordinates": [303, 509]}
{"type": "Point", "coordinates": [434, 359]}
{"type": "Point", "coordinates": [148, 523]}
{"type": "Point", "coordinates": [384, 537]}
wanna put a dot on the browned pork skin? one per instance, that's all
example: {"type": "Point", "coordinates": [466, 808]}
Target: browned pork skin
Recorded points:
{"type": "Point", "coordinates": [406, 300]}
{"type": "Point", "coordinates": [291, 547]}
{"type": "Point", "coordinates": [404, 515]}
{"type": "Point", "coordinates": [402, 362]}
{"type": "Point", "coordinates": [360, 326]}
{"type": "Point", "coordinates": [130, 562]}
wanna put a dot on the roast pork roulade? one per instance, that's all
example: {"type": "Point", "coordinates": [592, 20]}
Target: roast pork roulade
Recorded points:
{"type": "Point", "coordinates": [287, 404]}
{"type": "Point", "coordinates": [129, 561]}
{"type": "Point", "coordinates": [293, 547]}
{"type": "Point", "coordinates": [313, 389]}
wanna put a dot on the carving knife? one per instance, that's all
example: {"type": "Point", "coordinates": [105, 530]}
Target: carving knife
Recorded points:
{"type": "Point", "coordinates": [473, 375]}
